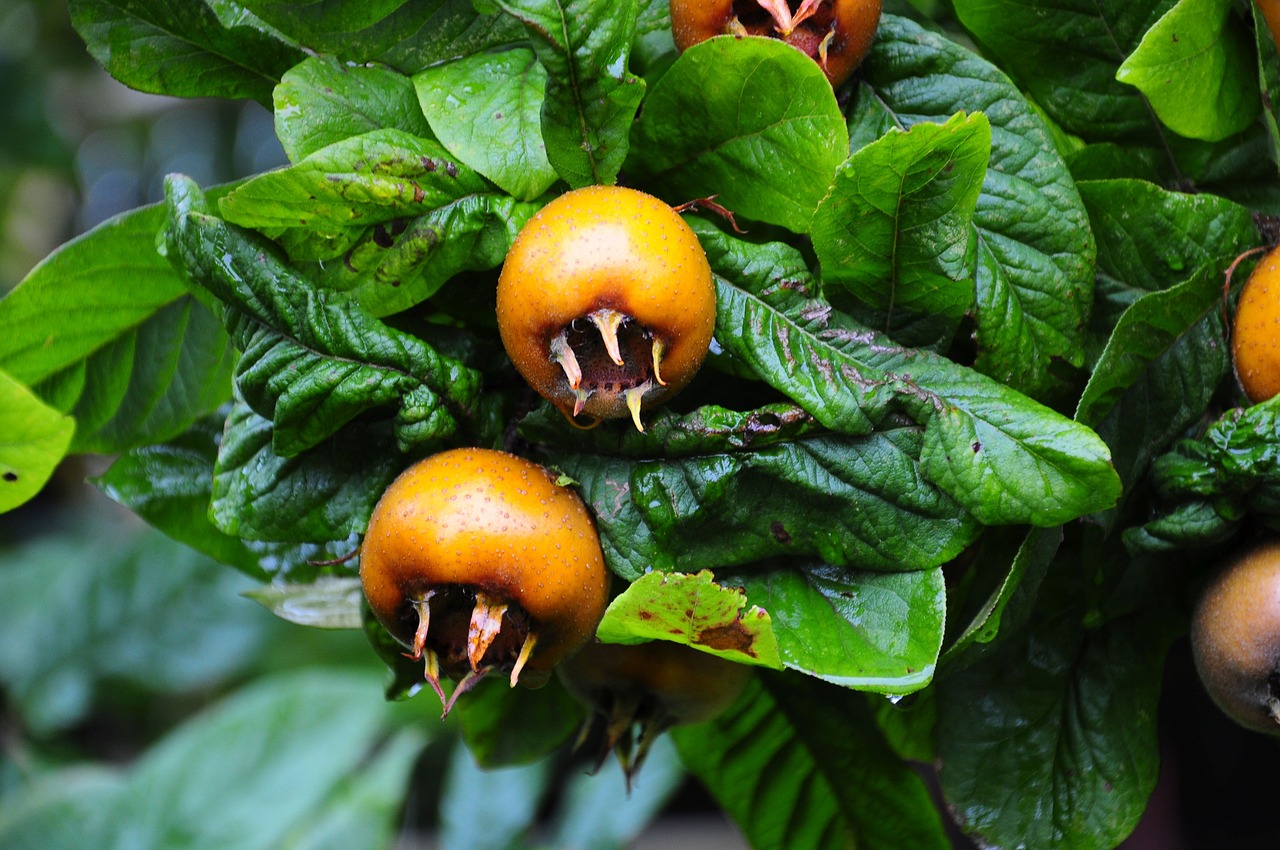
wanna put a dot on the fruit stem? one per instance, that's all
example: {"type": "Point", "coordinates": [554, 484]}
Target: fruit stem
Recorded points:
{"type": "Point", "coordinates": [486, 622]}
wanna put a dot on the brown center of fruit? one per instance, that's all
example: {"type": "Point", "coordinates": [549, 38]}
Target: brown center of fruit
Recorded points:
{"type": "Point", "coordinates": [609, 356]}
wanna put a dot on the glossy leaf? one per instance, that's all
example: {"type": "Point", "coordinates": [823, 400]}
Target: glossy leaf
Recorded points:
{"type": "Point", "coordinates": [1033, 267]}
{"type": "Point", "coordinates": [181, 48]}
{"type": "Point", "coordinates": [815, 753]}
{"type": "Point", "coordinates": [1195, 70]}
{"type": "Point", "coordinates": [322, 101]}
{"type": "Point", "coordinates": [406, 36]}
{"type": "Point", "coordinates": [312, 361]}
{"type": "Point", "coordinates": [486, 110]}
{"type": "Point", "coordinates": [327, 603]}
{"type": "Point", "coordinates": [591, 98]}
{"type": "Point", "coordinates": [751, 121]}
{"type": "Point", "coordinates": [1066, 56]}
{"type": "Point", "coordinates": [694, 610]}
{"type": "Point", "coordinates": [35, 439]}
{"type": "Point", "coordinates": [878, 632]}
{"type": "Point", "coordinates": [896, 231]}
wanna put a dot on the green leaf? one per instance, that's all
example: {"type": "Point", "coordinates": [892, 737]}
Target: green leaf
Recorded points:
{"type": "Point", "coordinates": [254, 758]}
{"type": "Point", "coordinates": [830, 497]}
{"type": "Point", "coordinates": [1190, 525]}
{"type": "Point", "coordinates": [1003, 457]}
{"type": "Point", "coordinates": [62, 810]}
{"type": "Point", "coordinates": [506, 726]}
{"type": "Point", "coordinates": [406, 36]}
{"type": "Point", "coordinates": [752, 121]}
{"type": "Point", "coordinates": [322, 101]}
{"type": "Point", "coordinates": [870, 631]}
{"type": "Point", "coordinates": [1034, 252]}
{"type": "Point", "coordinates": [134, 599]}
{"type": "Point", "coordinates": [591, 99]}
{"type": "Point", "coordinates": [1066, 56]}
{"type": "Point", "coordinates": [1061, 750]}
{"type": "Point", "coordinates": [324, 494]}
{"type": "Point", "coordinates": [35, 439]}
{"type": "Point", "coordinates": [896, 230]}
{"type": "Point", "coordinates": [170, 485]}
{"type": "Point", "coordinates": [327, 603]}
{"type": "Point", "coordinates": [489, 809]}
{"type": "Point", "coordinates": [1194, 66]}
{"type": "Point", "coordinates": [1151, 239]}
{"type": "Point", "coordinates": [368, 179]}
{"type": "Point", "coordinates": [311, 360]}
{"type": "Point", "coordinates": [486, 110]}
{"type": "Point", "coordinates": [694, 610]}
{"type": "Point", "coordinates": [1171, 338]}
{"type": "Point", "coordinates": [182, 48]}
{"type": "Point", "coordinates": [815, 754]}
{"type": "Point", "coordinates": [1268, 78]}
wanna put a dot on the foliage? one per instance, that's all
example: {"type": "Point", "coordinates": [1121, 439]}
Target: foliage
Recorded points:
{"type": "Point", "coordinates": [967, 428]}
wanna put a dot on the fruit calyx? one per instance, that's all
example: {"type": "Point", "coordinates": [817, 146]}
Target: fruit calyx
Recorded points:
{"type": "Point", "coordinates": [609, 356]}
{"type": "Point", "coordinates": [811, 28]}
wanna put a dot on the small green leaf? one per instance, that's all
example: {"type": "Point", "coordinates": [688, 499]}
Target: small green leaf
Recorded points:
{"type": "Point", "coordinates": [752, 121]}
{"type": "Point", "coordinates": [35, 439]}
{"type": "Point", "coordinates": [870, 631]}
{"type": "Point", "coordinates": [591, 98]}
{"type": "Point", "coordinates": [327, 603]}
{"type": "Point", "coordinates": [1194, 66]}
{"type": "Point", "coordinates": [322, 101]}
{"type": "Point", "coordinates": [486, 110]}
{"type": "Point", "coordinates": [896, 230]}
{"type": "Point", "coordinates": [815, 753]}
{"type": "Point", "coordinates": [182, 49]}
{"type": "Point", "coordinates": [506, 726]}
{"type": "Point", "coordinates": [694, 610]}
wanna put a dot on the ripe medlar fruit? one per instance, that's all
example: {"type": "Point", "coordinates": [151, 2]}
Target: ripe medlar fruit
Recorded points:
{"type": "Point", "coordinates": [480, 561]}
{"type": "Point", "coordinates": [1235, 638]}
{"type": "Point", "coordinates": [606, 303]}
{"type": "Point", "coordinates": [837, 34]}
{"type": "Point", "coordinates": [1255, 333]}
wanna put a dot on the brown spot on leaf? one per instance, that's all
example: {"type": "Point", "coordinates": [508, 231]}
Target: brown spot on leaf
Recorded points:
{"type": "Point", "coordinates": [728, 636]}
{"type": "Point", "coordinates": [779, 532]}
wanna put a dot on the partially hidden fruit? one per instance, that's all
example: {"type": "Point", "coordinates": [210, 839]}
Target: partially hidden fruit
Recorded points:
{"type": "Point", "coordinates": [1271, 14]}
{"type": "Point", "coordinates": [837, 34]}
{"type": "Point", "coordinates": [637, 692]}
{"type": "Point", "coordinates": [606, 303]}
{"type": "Point", "coordinates": [1255, 333]}
{"type": "Point", "coordinates": [1235, 638]}
{"type": "Point", "coordinates": [479, 562]}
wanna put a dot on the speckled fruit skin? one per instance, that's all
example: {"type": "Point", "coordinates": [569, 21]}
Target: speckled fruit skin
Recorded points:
{"type": "Point", "coordinates": [855, 22]}
{"type": "Point", "coordinates": [606, 247]}
{"type": "Point", "coordinates": [491, 521]}
{"type": "Point", "coordinates": [687, 685]}
{"type": "Point", "coordinates": [1255, 334]}
{"type": "Point", "coordinates": [1235, 637]}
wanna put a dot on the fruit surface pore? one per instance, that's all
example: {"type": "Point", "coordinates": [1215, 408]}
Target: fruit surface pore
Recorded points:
{"type": "Point", "coordinates": [478, 561]}
{"type": "Point", "coordinates": [606, 303]}
{"type": "Point", "coordinates": [837, 34]}
{"type": "Point", "coordinates": [1255, 334]}
{"type": "Point", "coordinates": [1235, 638]}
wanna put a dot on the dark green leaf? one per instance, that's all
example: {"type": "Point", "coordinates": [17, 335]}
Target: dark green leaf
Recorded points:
{"type": "Point", "coordinates": [751, 121]}
{"type": "Point", "coordinates": [1195, 69]}
{"type": "Point", "coordinates": [486, 109]}
{"type": "Point", "coordinates": [1050, 740]}
{"type": "Point", "coordinates": [814, 753]}
{"type": "Point", "coordinates": [81, 611]}
{"type": "Point", "coordinates": [322, 101]}
{"type": "Point", "coordinates": [325, 494]}
{"type": "Point", "coordinates": [871, 631]}
{"type": "Point", "coordinates": [1268, 78]}
{"type": "Point", "coordinates": [1066, 56]}
{"type": "Point", "coordinates": [1002, 456]}
{"type": "Point", "coordinates": [591, 98]}
{"type": "Point", "coordinates": [1033, 268]}
{"type": "Point", "coordinates": [312, 361]}
{"type": "Point", "coordinates": [896, 230]}
{"type": "Point", "coordinates": [504, 725]}
{"type": "Point", "coordinates": [181, 47]}
{"type": "Point", "coordinates": [35, 439]}
{"type": "Point", "coordinates": [1190, 525]}
{"type": "Point", "coordinates": [408, 36]}
{"type": "Point", "coordinates": [170, 485]}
